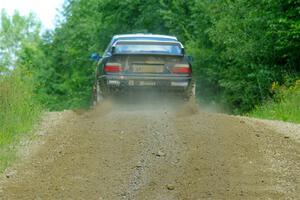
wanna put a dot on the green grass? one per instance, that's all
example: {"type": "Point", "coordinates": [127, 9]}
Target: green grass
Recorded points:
{"type": "Point", "coordinates": [286, 107]}
{"type": "Point", "coordinates": [18, 113]}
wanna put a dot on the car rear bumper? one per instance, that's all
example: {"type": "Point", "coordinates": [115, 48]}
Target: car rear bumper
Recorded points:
{"type": "Point", "coordinates": [178, 81]}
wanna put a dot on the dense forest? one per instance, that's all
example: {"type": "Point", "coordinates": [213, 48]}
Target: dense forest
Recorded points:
{"type": "Point", "coordinates": [240, 47]}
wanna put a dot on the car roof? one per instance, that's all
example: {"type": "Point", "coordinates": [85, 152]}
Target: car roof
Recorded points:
{"type": "Point", "coordinates": [140, 36]}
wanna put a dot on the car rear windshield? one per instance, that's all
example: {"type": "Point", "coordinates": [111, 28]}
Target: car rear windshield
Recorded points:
{"type": "Point", "coordinates": [169, 49]}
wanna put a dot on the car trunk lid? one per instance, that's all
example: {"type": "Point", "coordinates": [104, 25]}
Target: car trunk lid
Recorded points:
{"type": "Point", "coordinates": [148, 64]}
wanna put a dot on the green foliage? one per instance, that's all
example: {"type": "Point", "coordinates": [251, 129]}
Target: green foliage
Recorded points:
{"type": "Point", "coordinates": [13, 32]}
{"type": "Point", "coordinates": [240, 47]}
{"type": "Point", "coordinates": [285, 106]}
{"type": "Point", "coordinates": [19, 111]}
{"type": "Point", "coordinates": [67, 76]}
{"type": "Point", "coordinates": [19, 108]}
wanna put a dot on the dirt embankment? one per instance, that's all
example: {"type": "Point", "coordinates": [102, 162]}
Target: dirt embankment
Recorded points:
{"type": "Point", "coordinates": [160, 151]}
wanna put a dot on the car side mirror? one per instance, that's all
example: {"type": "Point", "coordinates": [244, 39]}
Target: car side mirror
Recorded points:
{"type": "Point", "coordinates": [95, 57]}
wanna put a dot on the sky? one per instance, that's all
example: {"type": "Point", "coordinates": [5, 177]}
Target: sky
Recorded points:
{"type": "Point", "coordinates": [45, 10]}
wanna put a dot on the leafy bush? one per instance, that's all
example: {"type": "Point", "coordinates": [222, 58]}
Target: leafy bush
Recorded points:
{"type": "Point", "coordinates": [285, 106]}
{"type": "Point", "coordinates": [19, 110]}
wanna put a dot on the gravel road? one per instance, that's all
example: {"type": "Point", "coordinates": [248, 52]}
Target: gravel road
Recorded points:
{"type": "Point", "coordinates": [155, 151]}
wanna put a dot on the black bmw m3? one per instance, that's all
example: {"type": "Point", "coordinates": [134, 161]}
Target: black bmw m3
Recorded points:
{"type": "Point", "coordinates": [141, 62]}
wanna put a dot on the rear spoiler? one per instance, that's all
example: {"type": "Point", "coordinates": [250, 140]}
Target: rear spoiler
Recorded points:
{"type": "Point", "coordinates": [147, 42]}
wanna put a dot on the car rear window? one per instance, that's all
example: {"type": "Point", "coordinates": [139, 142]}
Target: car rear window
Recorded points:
{"type": "Point", "coordinates": [171, 49]}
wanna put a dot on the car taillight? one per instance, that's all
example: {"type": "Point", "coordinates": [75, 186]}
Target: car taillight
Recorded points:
{"type": "Point", "coordinates": [113, 67]}
{"type": "Point", "coordinates": [181, 69]}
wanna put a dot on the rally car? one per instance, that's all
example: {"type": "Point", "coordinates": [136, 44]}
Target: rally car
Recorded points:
{"type": "Point", "coordinates": [143, 61]}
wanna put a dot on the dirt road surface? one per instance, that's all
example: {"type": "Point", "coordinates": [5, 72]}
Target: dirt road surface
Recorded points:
{"type": "Point", "coordinates": [158, 151]}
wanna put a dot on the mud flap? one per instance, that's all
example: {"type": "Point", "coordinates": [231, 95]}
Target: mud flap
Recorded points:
{"type": "Point", "coordinates": [193, 92]}
{"type": "Point", "coordinates": [98, 94]}
{"type": "Point", "coordinates": [190, 93]}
